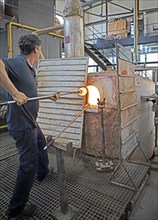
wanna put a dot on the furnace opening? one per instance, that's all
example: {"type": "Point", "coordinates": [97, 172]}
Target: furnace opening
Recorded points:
{"type": "Point", "coordinates": [93, 96]}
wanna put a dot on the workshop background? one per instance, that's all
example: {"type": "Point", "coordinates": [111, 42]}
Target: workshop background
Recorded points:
{"type": "Point", "coordinates": [105, 155]}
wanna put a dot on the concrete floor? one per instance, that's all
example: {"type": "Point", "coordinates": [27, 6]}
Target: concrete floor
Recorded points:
{"type": "Point", "coordinates": [146, 207]}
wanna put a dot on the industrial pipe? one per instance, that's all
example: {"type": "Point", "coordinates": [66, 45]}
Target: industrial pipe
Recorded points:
{"type": "Point", "coordinates": [82, 92]}
{"type": "Point", "coordinates": [49, 29]}
{"type": "Point", "coordinates": [10, 34]}
{"type": "Point", "coordinates": [136, 30]}
{"type": "Point", "coordinates": [73, 19]}
{"type": "Point", "coordinates": [46, 31]}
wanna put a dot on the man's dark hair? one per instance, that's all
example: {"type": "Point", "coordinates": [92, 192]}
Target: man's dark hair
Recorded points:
{"type": "Point", "coordinates": [27, 43]}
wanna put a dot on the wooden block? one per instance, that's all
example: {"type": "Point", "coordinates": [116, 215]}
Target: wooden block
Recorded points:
{"type": "Point", "coordinates": [117, 27]}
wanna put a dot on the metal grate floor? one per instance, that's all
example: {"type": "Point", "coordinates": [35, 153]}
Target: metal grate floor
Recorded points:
{"type": "Point", "coordinates": [88, 191]}
{"type": "Point", "coordinates": [136, 170]}
{"type": "Point", "coordinates": [7, 146]}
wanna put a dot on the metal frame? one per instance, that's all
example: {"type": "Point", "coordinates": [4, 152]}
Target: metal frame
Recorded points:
{"type": "Point", "coordinates": [121, 159]}
{"type": "Point", "coordinates": [91, 3]}
{"type": "Point", "coordinates": [101, 44]}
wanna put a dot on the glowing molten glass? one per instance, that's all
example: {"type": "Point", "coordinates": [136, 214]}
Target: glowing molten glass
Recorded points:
{"type": "Point", "coordinates": [93, 95]}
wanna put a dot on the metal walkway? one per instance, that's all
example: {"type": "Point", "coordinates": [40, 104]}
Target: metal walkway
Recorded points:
{"type": "Point", "coordinates": [88, 191]}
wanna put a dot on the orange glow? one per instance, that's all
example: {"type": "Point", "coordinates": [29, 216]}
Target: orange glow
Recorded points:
{"type": "Point", "coordinates": [93, 95]}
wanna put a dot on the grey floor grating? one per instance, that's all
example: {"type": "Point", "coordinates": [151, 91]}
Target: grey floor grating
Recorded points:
{"type": "Point", "coordinates": [7, 147]}
{"type": "Point", "coordinates": [135, 170]}
{"type": "Point", "coordinates": [88, 191]}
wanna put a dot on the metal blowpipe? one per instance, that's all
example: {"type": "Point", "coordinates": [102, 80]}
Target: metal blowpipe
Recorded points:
{"type": "Point", "coordinates": [54, 139]}
{"type": "Point", "coordinates": [82, 92]}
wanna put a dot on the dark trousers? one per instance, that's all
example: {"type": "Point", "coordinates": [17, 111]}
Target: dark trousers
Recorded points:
{"type": "Point", "coordinates": [33, 161]}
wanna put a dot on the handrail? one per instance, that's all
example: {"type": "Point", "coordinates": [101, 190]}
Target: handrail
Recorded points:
{"type": "Point", "coordinates": [96, 35]}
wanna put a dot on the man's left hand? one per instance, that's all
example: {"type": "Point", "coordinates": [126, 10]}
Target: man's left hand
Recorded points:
{"type": "Point", "coordinates": [56, 96]}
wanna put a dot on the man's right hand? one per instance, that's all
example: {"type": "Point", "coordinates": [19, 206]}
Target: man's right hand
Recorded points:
{"type": "Point", "coordinates": [55, 96]}
{"type": "Point", "coordinates": [20, 98]}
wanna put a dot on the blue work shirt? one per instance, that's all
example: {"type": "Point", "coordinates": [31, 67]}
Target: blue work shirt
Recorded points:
{"type": "Point", "coordinates": [24, 79]}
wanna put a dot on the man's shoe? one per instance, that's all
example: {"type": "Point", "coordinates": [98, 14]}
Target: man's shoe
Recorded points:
{"type": "Point", "coordinates": [28, 211]}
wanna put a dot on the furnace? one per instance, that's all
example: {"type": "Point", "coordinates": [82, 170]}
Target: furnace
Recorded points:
{"type": "Point", "coordinates": [106, 84]}
{"type": "Point", "coordinates": [70, 74]}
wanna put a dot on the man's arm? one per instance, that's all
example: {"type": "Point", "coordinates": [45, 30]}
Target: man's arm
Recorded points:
{"type": "Point", "coordinates": [5, 82]}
